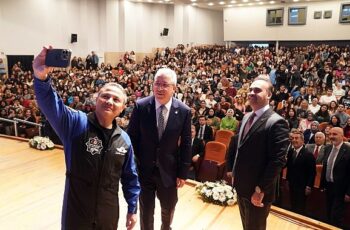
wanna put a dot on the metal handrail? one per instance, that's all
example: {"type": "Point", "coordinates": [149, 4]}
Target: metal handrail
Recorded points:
{"type": "Point", "coordinates": [29, 123]}
{"type": "Point", "coordinates": [15, 121]}
{"type": "Point", "coordinates": [11, 121]}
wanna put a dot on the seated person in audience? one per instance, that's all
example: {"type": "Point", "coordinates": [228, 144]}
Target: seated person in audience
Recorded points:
{"type": "Point", "coordinates": [326, 133]}
{"type": "Point", "coordinates": [334, 121]}
{"type": "Point", "coordinates": [338, 91]}
{"type": "Point", "coordinates": [309, 134]}
{"type": "Point", "coordinates": [203, 110]}
{"type": "Point", "coordinates": [204, 131]}
{"type": "Point", "coordinates": [332, 109]}
{"type": "Point", "coordinates": [323, 115]}
{"type": "Point", "coordinates": [318, 147]}
{"type": "Point", "coordinates": [345, 100]}
{"type": "Point", "coordinates": [303, 109]}
{"type": "Point", "coordinates": [326, 99]}
{"type": "Point", "coordinates": [215, 121]}
{"type": "Point", "coordinates": [314, 107]}
{"type": "Point", "coordinates": [301, 172]}
{"type": "Point", "coordinates": [347, 130]}
{"type": "Point", "coordinates": [342, 115]}
{"type": "Point", "coordinates": [229, 122]}
{"type": "Point", "coordinates": [305, 123]}
{"type": "Point", "coordinates": [28, 116]}
{"type": "Point", "coordinates": [292, 119]}
{"type": "Point", "coordinates": [237, 113]}
{"type": "Point", "coordinates": [197, 150]}
{"type": "Point", "coordinates": [76, 104]}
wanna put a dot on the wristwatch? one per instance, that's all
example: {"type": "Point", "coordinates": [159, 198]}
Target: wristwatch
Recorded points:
{"type": "Point", "coordinates": [258, 190]}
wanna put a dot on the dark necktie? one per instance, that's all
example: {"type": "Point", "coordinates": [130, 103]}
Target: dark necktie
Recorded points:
{"type": "Point", "coordinates": [200, 133]}
{"type": "Point", "coordinates": [161, 122]}
{"type": "Point", "coordinates": [295, 155]}
{"type": "Point", "coordinates": [248, 125]}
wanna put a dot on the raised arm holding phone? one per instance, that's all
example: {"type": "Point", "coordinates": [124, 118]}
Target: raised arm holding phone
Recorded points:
{"type": "Point", "coordinates": [98, 154]}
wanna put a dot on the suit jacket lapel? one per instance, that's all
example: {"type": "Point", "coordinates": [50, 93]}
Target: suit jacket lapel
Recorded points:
{"type": "Point", "coordinates": [244, 121]}
{"type": "Point", "coordinates": [261, 120]}
{"type": "Point", "coordinates": [151, 110]}
{"type": "Point", "coordinates": [340, 154]}
{"type": "Point", "coordinates": [174, 110]}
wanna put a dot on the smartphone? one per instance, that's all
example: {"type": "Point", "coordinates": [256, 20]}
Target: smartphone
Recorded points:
{"type": "Point", "coordinates": [58, 58]}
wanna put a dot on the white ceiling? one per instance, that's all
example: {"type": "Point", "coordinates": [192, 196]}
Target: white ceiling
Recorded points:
{"type": "Point", "coordinates": [222, 4]}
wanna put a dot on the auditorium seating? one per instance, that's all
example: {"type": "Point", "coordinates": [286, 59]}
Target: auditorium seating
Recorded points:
{"type": "Point", "coordinates": [224, 136]}
{"type": "Point", "coordinates": [213, 164]}
{"type": "Point", "coordinates": [323, 126]}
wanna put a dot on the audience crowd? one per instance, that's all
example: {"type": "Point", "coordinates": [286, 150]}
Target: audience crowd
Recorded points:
{"type": "Point", "coordinates": [311, 87]}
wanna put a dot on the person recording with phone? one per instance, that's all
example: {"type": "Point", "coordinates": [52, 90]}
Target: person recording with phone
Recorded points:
{"type": "Point", "coordinates": [98, 153]}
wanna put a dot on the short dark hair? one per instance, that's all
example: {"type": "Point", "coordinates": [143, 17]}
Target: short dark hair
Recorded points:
{"type": "Point", "coordinates": [270, 88]}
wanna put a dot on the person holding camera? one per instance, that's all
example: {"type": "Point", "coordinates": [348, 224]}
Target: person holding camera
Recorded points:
{"type": "Point", "coordinates": [98, 154]}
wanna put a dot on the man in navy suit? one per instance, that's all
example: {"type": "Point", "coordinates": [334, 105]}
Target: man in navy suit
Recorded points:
{"type": "Point", "coordinates": [261, 154]}
{"type": "Point", "coordinates": [160, 131]}
{"type": "Point", "coordinates": [335, 176]}
{"type": "Point", "coordinates": [301, 172]}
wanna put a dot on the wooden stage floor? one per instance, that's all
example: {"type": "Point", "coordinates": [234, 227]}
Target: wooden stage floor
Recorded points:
{"type": "Point", "coordinates": [31, 191]}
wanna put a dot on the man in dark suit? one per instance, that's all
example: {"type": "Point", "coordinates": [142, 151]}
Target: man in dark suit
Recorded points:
{"type": "Point", "coordinates": [317, 149]}
{"type": "Point", "coordinates": [261, 154]}
{"type": "Point", "coordinates": [197, 151]}
{"type": "Point", "coordinates": [309, 134]}
{"type": "Point", "coordinates": [160, 131]}
{"type": "Point", "coordinates": [335, 176]}
{"type": "Point", "coordinates": [301, 172]}
{"type": "Point", "coordinates": [204, 131]}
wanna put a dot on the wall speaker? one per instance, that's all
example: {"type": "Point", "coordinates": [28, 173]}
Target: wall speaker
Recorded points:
{"type": "Point", "coordinates": [165, 32]}
{"type": "Point", "coordinates": [73, 38]}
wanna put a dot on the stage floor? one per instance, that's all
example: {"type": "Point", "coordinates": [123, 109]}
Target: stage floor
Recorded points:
{"type": "Point", "coordinates": [31, 191]}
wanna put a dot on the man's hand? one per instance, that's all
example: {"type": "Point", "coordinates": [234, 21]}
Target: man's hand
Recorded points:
{"type": "Point", "coordinates": [180, 182]}
{"type": "Point", "coordinates": [230, 176]}
{"type": "Point", "coordinates": [39, 67]}
{"type": "Point", "coordinates": [307, 191]}
{"type": "Point", "coordinates": [256, 199]}
{"type": "Point", "coordinates": [131, 220]}
{"type": "Point", "coordinates": [347, 198]}
{"type": "Point", "coordinates": [195, 158]}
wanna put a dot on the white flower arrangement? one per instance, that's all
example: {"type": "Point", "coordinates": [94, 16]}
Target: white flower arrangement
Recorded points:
{"type": "Point", "coordinates": [217, 193]}
{"type": "Point", "coordinates": [41, 143]}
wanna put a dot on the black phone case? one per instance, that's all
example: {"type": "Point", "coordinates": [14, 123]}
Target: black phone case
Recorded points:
{"type": "Point", "coordinates": [58, 58]}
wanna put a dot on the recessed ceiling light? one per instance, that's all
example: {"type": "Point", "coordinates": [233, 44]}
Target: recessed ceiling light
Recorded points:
{"type": "Point", "coordinates": [257, 0]}
{"type": "Point", "coordinates": [250, 4]}
{"type": "Point", "coordinates": [272, 2]}
{"type": "Point", "coordinates": [193, 0]}
{"type": "Point", "coordinates": [261, 3]}
{"type": "Point", "coordinates": [160, 1]}
{"type": "Point", "coordinates": [150, 1]}
{"type": "Point", "coordinates": [166, 0]}
{"type": "Point", "coordinates": [295, 0]}
{"type": "Point", "coordinates": [240, 4]}
{"type": "Point", "coordinates": [245, 0]}
{"type": "Point", "coordinates": [210, 4]}
{"type": "Point", "coordinates": [233, 1]}
{"type": "Point", "coordinates": [222, 3]}
{"type": "Point", "coordinates": [229, 5]}
{"type": "Point", "coordinates": [194, 4]}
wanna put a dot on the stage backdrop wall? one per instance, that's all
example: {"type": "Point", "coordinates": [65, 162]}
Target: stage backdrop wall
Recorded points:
{"type": "Point", "coordinates": [249, 23]}
{"type": "Point", "coordinates": [103, 25]}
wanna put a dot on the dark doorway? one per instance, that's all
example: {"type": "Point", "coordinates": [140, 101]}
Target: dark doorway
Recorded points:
{"type": "Point", "coordinates": [26, 62]}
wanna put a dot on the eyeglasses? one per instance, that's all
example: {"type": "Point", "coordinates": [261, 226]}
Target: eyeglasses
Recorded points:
{"type": "Point", "coordinates": [162, 85]}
